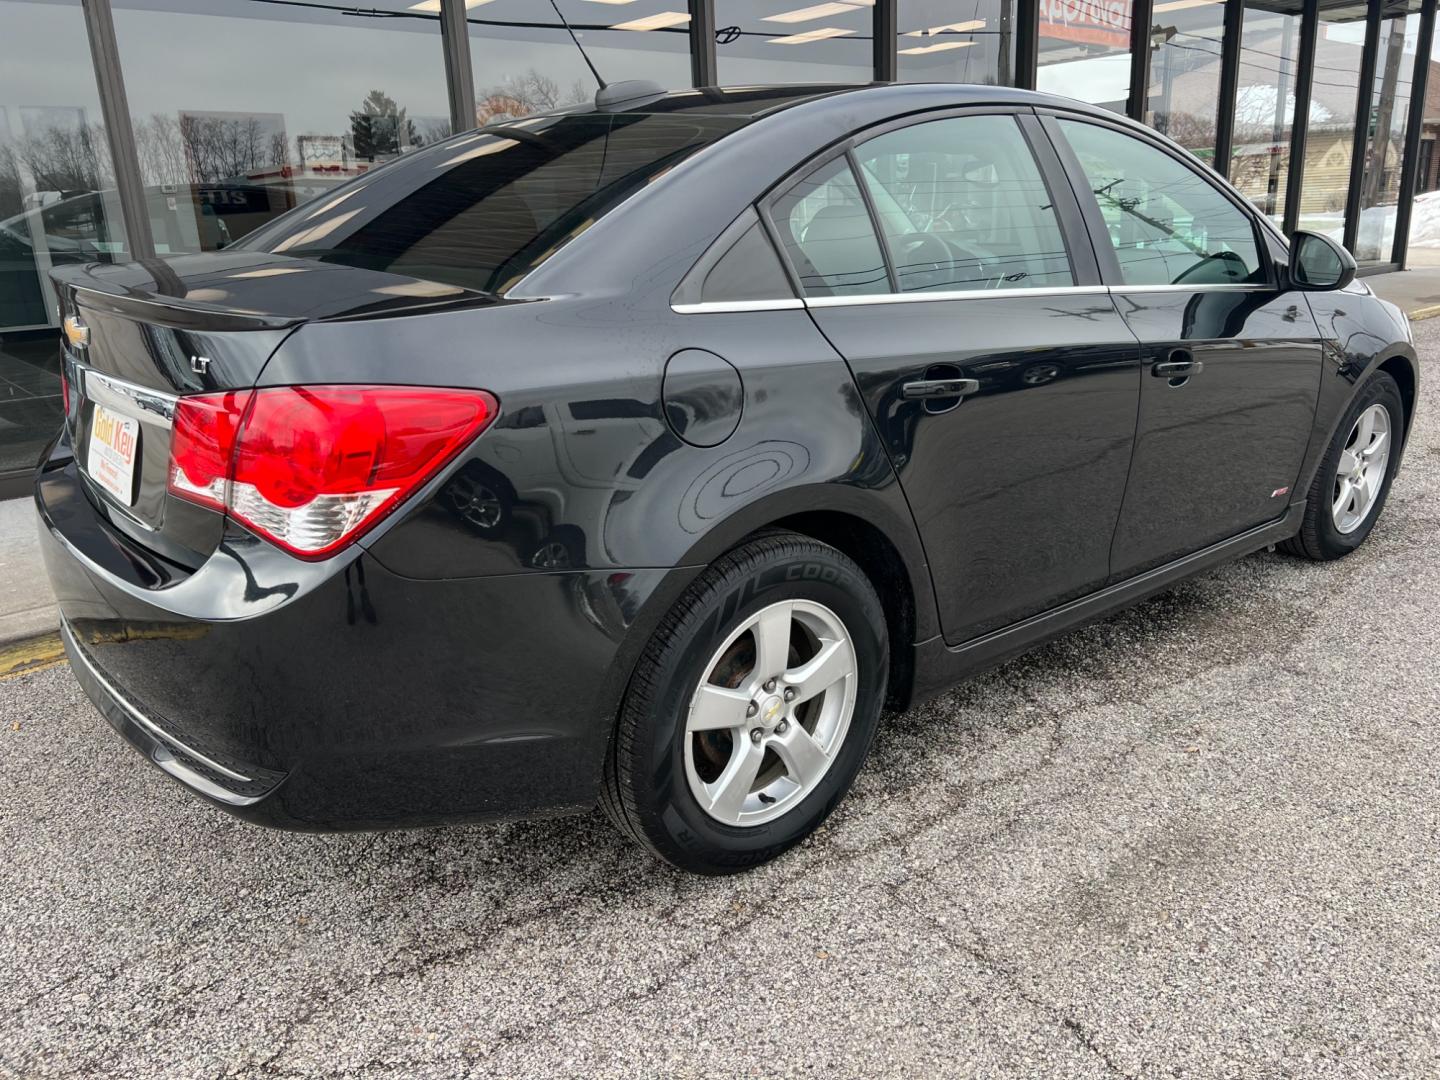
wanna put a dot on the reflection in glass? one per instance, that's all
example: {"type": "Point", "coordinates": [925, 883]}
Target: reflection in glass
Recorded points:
{"type": "Point", "coordinates": [57, 206]}
{"type": "Point", "coordinates": [1184, 96]}
{"type": "Point", "coordinates": [1167, 223]}
{"type": "Point", "coordinates": [1265, 103]}
{"type": "Point", "coordinates": [525, 62]}
{"type": "Point", "coordinates": [481, 211]}
{"type": "Point", "coordinates": [244, 109]}
{"type": "Point", "coordinates": [1424, 243]}
{"type": "Point", "coordinates": [968, 41]}
{"type": "Point", "coordinates": [1330, 133]}
{"type": "Point", "coordinates": [962, 206]}
{"type": "Point", "coordinates": [1085, 51]}
{"type": "Point", "coordinates": [794, 41]}
{"type": "Point", "coordinates": [1385, 143]}
{"type": "Point", "coordinates": [824, 224]}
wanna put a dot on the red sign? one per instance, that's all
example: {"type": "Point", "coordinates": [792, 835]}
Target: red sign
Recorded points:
{"type": "Point", "coordinates": [1093, 22]}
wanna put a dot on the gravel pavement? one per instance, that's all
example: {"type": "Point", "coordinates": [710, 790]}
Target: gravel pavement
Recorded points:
{"type": "Point", "coordinates": [1201, 839]}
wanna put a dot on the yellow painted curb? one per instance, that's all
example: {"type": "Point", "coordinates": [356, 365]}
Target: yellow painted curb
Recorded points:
{"type": "Point", "coordinates": [1424, 313]}
{"type": "Point", "coordinates": [36, 654]}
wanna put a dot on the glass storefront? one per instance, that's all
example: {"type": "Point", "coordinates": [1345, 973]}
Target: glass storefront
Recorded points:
{"type": "Point", "coordinates": [1265, 104]}
{"type": "Point", "coordinates": [242, 109]}
{"type": "Point", "coordinates": [323, 94]}
{"type": "Point", "coordinates": [1084, 50]}
{"type": "Point", "coordinates": [1184, 97]}
{"type": "Point", "coordinates": [1330, 131]}
{"type": "Point", "coordinates": [949, 41]}
{"type": "Point", "coordinates": [1424, 238]}
{"type": "Point", "coordinates": [775, 41]}
{"type": "Point", "coordinates": [525, 62]}
{"type": "Point", "coordinates": [1385, 137]}
{"type": "Point", "coordinates": [56, 206]}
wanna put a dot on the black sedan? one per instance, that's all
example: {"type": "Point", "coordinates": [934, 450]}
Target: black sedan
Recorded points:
{"type": "Point", "coordinates": [645, 452]}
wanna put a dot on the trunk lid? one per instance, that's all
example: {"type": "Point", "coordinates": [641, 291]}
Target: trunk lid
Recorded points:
{"type": "Point", "coordinates": [141, 335]}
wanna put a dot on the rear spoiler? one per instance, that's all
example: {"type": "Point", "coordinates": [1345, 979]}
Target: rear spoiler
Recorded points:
{"type": "Point", "coordinates": [156, 305]}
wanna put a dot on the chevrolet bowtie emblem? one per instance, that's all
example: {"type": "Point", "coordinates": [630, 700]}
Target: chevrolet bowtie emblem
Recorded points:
{"type": "Point", "coordinates": [76, 332]}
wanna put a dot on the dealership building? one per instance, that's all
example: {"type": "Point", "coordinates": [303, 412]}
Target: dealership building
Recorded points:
{"type": "Point", "coordinates": [131, 128]}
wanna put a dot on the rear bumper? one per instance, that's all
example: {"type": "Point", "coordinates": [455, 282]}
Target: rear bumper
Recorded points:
{"type": "Point", "coordinates": [339, 695]}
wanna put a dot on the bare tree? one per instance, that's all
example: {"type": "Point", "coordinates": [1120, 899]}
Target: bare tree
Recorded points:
{"type": "Point", "coordinates": [161, 150]}
{"type": "Point", "coordinates": [12, 190]}
{"type": "Point", "coordinates": [524, 95]}
{"type": "Point", "coordinates": [66, 158]}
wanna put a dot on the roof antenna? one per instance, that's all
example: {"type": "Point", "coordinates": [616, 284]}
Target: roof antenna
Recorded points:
{"type": "Point", "coordinates": [585, 56]}
{"type": "Point", "coordinates": [616, 95]}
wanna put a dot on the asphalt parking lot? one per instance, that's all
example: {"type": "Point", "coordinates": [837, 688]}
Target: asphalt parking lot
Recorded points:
{"type": "Point", "coordinates": [1201, 839]}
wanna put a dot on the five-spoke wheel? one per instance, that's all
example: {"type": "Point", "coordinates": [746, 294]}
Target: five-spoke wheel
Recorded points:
{"type": "Point", "coordinates": [1348, 491]}
{"type": "Point", "coordinates": [752, 707]}
{"type": "Point", "coordinates": [771, 709]}
{"type": "Point", "coordinates": [1361, 472]}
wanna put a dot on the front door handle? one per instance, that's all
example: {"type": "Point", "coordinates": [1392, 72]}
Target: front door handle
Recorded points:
{"type": "Point", "coordinates": [940, 388]}
{"type": "Point", "coordinates": [1181, 365]}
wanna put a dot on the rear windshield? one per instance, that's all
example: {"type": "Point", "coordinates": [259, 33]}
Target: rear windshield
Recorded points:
{"type": "Point", "coordinates": [482, 210]}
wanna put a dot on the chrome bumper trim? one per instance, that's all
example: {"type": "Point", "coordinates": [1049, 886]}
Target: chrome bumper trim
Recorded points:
{"type": "Point", "coordinates": [126, 706]}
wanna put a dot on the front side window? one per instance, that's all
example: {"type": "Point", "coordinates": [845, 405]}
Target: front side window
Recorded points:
{"type": "Point", "coordinates": [963, 206]}
{"type": "Point", "coordinates": [826, 229]}
{"type": "Point", "coordinates": [1167, 223]}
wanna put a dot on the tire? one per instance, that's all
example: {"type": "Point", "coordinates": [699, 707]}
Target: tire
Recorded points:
{"type": "Point", "coordinates": [655, 762]}
{"type": "Point", "coordinates": [1321, 536]}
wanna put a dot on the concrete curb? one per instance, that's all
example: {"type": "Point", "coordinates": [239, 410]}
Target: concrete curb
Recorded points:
{"type": "Point", "coordinates": [17, 627]}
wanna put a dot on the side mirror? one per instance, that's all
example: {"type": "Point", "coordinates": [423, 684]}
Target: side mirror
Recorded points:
{"type": "Point", "coordinates": [1319, 263]}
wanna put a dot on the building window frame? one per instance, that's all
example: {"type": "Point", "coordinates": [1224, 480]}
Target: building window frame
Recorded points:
{"type": "Point", "coordinates": [1410, 165]}
{"type": "Point", "coordinates": [1364, 96]}
{"type": "Point", "coordinates": [458, 73]}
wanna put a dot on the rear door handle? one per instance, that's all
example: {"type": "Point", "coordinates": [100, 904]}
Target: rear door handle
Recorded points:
{"type": "Point", "coordinates": [940, 388]}
{"type": "Point", "coordinates": [1181, 365]}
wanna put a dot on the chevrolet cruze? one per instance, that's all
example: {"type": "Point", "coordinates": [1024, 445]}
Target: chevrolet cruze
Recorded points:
{"type": "Point", "coordinates": [642, 453]}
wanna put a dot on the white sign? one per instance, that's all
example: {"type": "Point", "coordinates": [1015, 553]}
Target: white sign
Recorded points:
{"type": "Point", "coordinates": [110, 460]}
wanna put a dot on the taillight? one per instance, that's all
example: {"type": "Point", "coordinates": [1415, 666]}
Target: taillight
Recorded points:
{"type": "Point", "coordinates": [312, 467]}
{"type": "Point", "coordinates": [202, 444]}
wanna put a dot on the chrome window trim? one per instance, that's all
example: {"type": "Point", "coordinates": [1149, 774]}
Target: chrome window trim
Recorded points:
{"type": "Point", "coordinates": [155, 402]}
{"type": "Point", "coordinates": [705, 307]}
{"type": "Point", "coordinates": [1218, 286]}
{"type": "Point", "coordinates": [792, 303]}
{"type": "Point", "coordinates": [958, 294]}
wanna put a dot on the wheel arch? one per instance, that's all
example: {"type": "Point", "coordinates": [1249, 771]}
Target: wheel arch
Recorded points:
{"type": "Point", "coordinates": [883, 564]}
{"type": "Point", "coordinates": [864, 526]}
{"type": "Point", "coordinates": [1339, 389]}
{"type": "Point", "coordinates": [1402, 368]}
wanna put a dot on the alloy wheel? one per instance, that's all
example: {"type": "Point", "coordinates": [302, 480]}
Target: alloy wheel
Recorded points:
{"type": "Point", "coordinates": [770, 713]}
{"type": "Point", "coordinates": [1361, 472]}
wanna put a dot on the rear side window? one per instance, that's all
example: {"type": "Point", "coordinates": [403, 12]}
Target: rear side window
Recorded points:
{"type": "Point", "coordinates": [750, 270]}
{"type": "Point", "coordinates": [482, 210]}
{"type": "Point", "coordinates": [1167, 223]}
{"type": "Point", "coordinates": [826, 229]}
{"type": "Point", "coordinates": [963, 206]}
